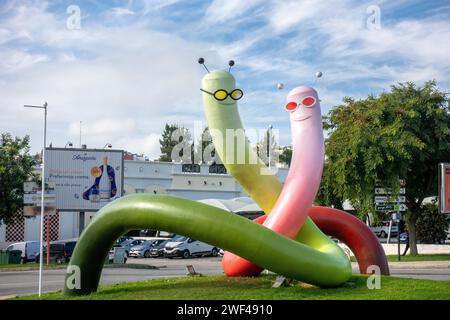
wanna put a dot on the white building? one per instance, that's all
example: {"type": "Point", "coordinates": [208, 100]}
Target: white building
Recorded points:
{"type": "Point", "coordinates": [195, 182]}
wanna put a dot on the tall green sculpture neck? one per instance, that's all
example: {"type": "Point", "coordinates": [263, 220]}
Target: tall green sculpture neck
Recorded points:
{"type": "Point", "coordinates": [229, 139]}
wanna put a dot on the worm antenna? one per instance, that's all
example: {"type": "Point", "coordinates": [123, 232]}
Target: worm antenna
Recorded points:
{"type": "Point", "coordinates": [319, 75]}
{"type": "Point", "coordinates": [231, 64]}
{"type": "Point", "coordinates": [202, 62]}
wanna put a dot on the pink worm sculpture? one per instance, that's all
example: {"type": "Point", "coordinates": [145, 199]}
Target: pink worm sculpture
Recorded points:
{"type": "Point", "coordinates": [303, 180]}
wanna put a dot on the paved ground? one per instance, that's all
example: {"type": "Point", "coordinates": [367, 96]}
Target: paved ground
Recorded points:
{"type": "Point", "coordinates": [26, 282]}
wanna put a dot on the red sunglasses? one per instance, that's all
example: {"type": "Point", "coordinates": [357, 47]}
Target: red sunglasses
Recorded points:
{"type": "Point", "coordinates": [307, 102]}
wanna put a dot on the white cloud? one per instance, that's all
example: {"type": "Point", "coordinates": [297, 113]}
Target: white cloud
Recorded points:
{"type": "Point", "coordinates": [124, 83]}
{"type": "Point", "coordinates": [289, 14]}
{"type": "Point", "coordinates": [342, 46]}
{"type": "Point", "coordinates": [120, 12]}
{"type": "Point", "coordinates": [155, 5]}
{"type": "Point", "coordinates": [12, 61]}
{"type": "Point", "coordinates": [221, 11]}
{"type": "Point", "coordinates": [125, 80]}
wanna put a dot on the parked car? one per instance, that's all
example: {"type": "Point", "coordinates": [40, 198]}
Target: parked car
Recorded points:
{"type": "Point", "coordinates": [111, 253]}
{"type": "Point", "coordinates": [60, 251]}
{"type": "Point", "coordinates": [122, 239]}
{"type": "Point", "coordinates": [382, 229]}
{"type": "Point", "coordinates": [157, 249]}
{"type": "Point", "coordinates": [128, 244]}
{"type": "Point", "coordinates": [141, 250]}
{"type": "Point", "coordinates": [29, 250]}
{"type": "Point", "coordinates": [184, 247]}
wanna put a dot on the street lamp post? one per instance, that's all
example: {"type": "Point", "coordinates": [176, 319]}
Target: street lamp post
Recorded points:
{"type": "Point", "coordinates": [41, 236]}
{"type": "Point", "coordinates": [269, 145]}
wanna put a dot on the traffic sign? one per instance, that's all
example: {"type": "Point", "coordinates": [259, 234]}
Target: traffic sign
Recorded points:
{"type": "Point", "coordinates": [33, 187]}
{"type": "Point", "coordinates": [387, 199]}
{"type": "Point", "coordinates": [390, 207]}
{"type": "Point", "coordinates": [387, 191]}
{"type": "Point", "coordinates": [397, 216]}
{"type": "Point", "coordinates": [33, 198]}
{"type": "Point", "coordinates": [33, 211]}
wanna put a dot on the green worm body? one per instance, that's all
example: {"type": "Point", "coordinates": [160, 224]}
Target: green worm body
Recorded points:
{"type": "Point", "coordinates": [199, 221]}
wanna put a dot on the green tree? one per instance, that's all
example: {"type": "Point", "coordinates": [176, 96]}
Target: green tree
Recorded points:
{"type": "Point", "coordinates": [205, 144]}
{"type": "Point", "coordinates": [16, 167]}
{"type": "Point", "coordinates": [267, 146]}
{"type": "Point", "coordinates": [431, 225]}
{"type": "Point", "coordinates": [173, 135]}
{"type": "Point", "coordinates": [403, 133]}
{"type": "Point", "coordinates": [328, 195]}
{"type": "Point", "coordinates": [286, 155]}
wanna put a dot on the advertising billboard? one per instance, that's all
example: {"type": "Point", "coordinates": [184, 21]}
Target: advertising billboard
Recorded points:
{"type": "Point", "coordinates": [84, 179]}
{"type": "Point", "coordinates": [444, 187]}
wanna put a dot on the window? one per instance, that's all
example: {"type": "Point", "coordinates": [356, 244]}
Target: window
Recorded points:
{"type": "Point", "coordinates": [217, 169]}
{"type": "Point", "coordinates": [195, 168]}
{"type": "Point", "coordinates": [179, 239]}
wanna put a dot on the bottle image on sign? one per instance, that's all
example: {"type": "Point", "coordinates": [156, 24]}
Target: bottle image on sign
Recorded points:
{"type": "Point", "coordinates": [105, 183]}
{"type": "Point", "coordinates": [104, 187]}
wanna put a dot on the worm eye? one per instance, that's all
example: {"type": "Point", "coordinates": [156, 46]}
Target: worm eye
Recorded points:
{"type": "Point", "coordinates": [236, 94]}
{"type": "Point", "coordinates": [309, 101]}
{"type": "Point", "coordinates": [220, 95]}
{"type": "Point", "coordinates": [291, 106]}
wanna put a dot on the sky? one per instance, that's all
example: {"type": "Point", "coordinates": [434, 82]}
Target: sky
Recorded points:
{"type": "Point", "coordinates": [125, 68]}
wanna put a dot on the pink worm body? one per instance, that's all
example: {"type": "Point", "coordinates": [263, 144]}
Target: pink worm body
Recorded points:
{"type": "Point", "coordinates": [303, 180]}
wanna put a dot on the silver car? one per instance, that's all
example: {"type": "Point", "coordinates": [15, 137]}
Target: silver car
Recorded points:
{"type": "Point", "coordinates": [128, 244]}
{"type": "Point", "coordinates": [141, 250]}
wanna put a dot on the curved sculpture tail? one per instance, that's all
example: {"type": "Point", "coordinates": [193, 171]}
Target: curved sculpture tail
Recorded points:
{"type": "Point", "coordinates": [336, 223]}
{"type": "Point", "coordinates": [325, 268]}
{"type": "Point", "coordinates": [355, 234]}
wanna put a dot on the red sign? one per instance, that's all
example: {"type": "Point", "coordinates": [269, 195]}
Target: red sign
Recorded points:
{"type": "Point", "coordinates": [444, 186]}
{"type": "Point", "coordinates": [447, 188]}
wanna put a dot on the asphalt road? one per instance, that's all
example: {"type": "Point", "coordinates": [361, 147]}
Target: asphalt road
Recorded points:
{"type": "Point", "coordinates": [19, 282]}
{"type": "Point", "coordinates": [26, 282]}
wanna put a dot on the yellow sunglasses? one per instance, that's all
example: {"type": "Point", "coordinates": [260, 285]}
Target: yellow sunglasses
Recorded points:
{"type": "Point", "coordinates": [222, 94]}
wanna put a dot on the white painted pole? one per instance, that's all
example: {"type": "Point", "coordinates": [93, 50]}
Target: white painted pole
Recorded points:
{"type": "Point", "coordinates": [41, 260]}
{"type": "Point", "coordinates": [41, 227]}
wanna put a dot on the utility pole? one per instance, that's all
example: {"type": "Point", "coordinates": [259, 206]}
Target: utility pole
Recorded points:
{"type": "Point", "coordinates": [41, 231]}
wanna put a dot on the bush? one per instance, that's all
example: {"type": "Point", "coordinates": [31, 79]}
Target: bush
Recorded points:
{"type": "Point", "coordinates": [431, 225]}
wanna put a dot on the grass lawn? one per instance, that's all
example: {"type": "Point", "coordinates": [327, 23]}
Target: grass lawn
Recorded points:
{"type": "Point", "coordinates": [421, 257]}
{"type": "Point", "coordinates": [221, 287]}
